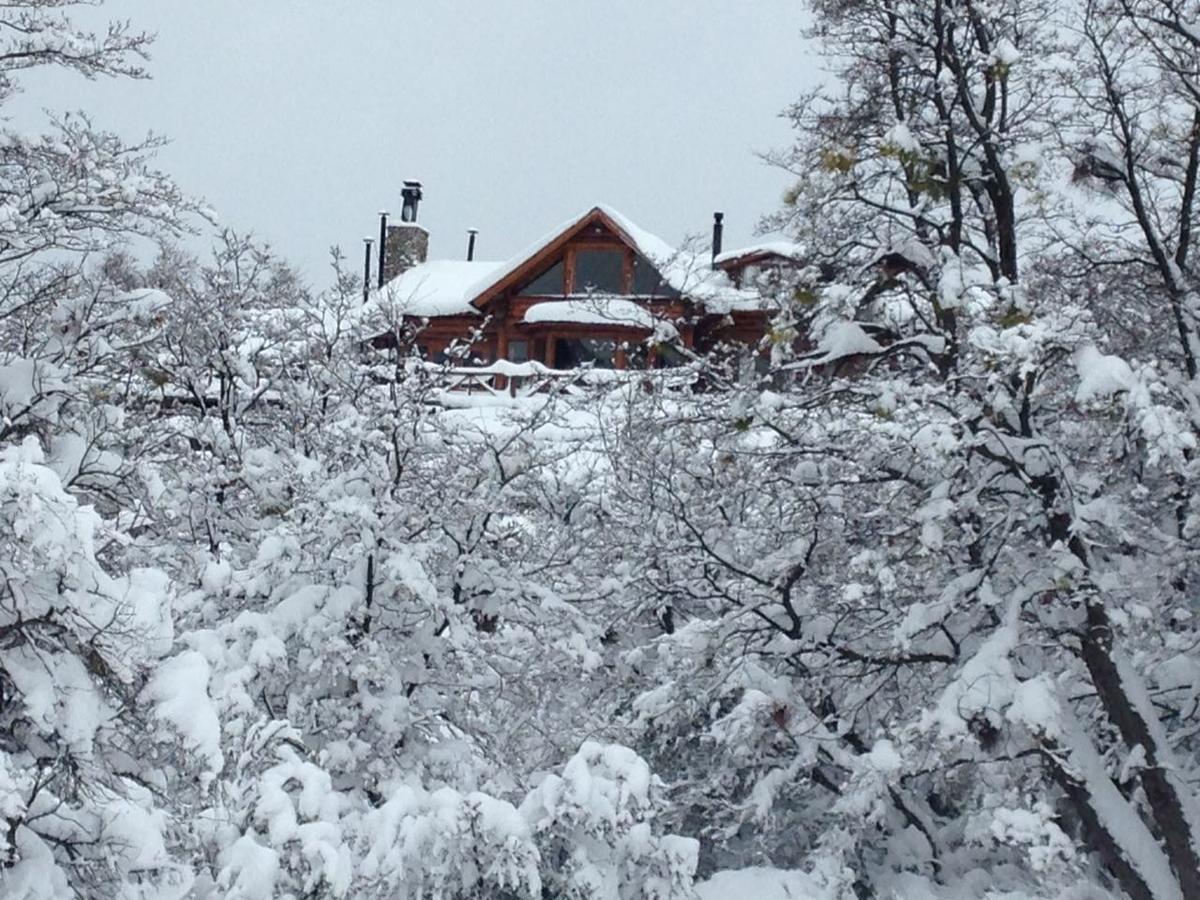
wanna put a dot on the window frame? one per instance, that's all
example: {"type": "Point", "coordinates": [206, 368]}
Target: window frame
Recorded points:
{"type": "Point", "coordinates": [624, 278]}
{"type": "Point", "coordinates": [569, 287]}
{"type": "Point", "coordinates": [521, 342]}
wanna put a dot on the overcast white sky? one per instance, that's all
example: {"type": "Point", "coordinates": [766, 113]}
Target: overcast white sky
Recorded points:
{"type": "Point", "coordinates": [298, 120]}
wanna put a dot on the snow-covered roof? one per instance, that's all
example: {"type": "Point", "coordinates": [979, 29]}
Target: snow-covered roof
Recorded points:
{"type": "Point", "coordinates": [690, 274]}
{"type": "Point", "coordinates": [515, 262]}
{"type": "Point", "coordinates": [786, 249]}
{"type": "Point", "coordinates": [450, 287]}
{"type": "Point", "coordinates": [594, 310]}
{"type": "Point", "coordinates": [440, 287]}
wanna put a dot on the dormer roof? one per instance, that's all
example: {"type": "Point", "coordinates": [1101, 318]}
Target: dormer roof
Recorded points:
{"type": "Point", "coordinates": [785, 251]}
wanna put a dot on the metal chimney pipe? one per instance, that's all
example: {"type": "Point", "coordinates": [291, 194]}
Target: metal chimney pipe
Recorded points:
{"type": "Point", "coordinates": [367, 242]}
{"type": "Point", "coordinates": [718, 230]}
{"type": "Point", "coordinates": [410, 196]}
{"type": "Point", "coordinates": [382, 243]}
{"type": "Point", "coordinates": [471, 232]}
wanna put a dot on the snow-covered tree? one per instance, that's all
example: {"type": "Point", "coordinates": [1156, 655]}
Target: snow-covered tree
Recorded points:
{"type": "Point", "coordinates": [959, 580]}
{"type": "Point", "coordinates": [85, 808]}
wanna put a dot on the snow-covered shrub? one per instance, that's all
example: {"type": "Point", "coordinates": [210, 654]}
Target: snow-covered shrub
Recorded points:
{"type": "Point", "coordinates": [445, 845]}
{"type": "Point", "coordinates": [594, 827]}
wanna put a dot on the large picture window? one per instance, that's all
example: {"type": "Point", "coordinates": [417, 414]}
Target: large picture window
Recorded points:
{"type": "Point", "coordinates": [598, 271]}
{"type": "Point", "coordinates": [571, 353]}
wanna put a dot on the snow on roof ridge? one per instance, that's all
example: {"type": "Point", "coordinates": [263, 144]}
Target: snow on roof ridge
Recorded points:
{"type": "Point", "coordinates": [648, 244]}
{"type": "Point", "coordinates": [782, 247]}
{"type": "Point", "coordinates": [516, 261]}
{"type": "Point", "coordinates": [685, 272]}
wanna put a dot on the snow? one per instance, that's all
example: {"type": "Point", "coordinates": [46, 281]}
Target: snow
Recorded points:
{"type": "Point", "coordinates": [1101, 375]}
{"type": "Point", "coordinates": [688, 273]}
{"type": "Point", "coordinates": [18, 385]}
{"type": "Point", "coordinates": [411, 637]}
{"type": "Point", "coordinates": [452, 287]}
{"type": "Point", "coordinates": [1130, 834]}
{"type": "Point", "coordinates": [446, 843]}
{"type": "Point", "coordinates": [786, 249]}
{"type": "Point", "coordinates": [884, 757]}
{"type": "Point", "coordinates": [35, 876]}
{"type": "Point", "coordinates": [137, 831]}
{"type": "Point", "coordinates": [842, 339]}
{"type": "Point", "coordinates": [249, 869]}
{"type": "Point", "coordinates": [1004, 53]}
{"type": "Point", "coordinates": [1035, 706]}
{"type": "Point", "coordinates": [144, 301]}
{"type": "Point", "coordinates": [592, 310]}
{"type": "Point", "coordinates": [1035, 829]}
{"type": "Point", "coordinates": [985, 685]}
{"type": "Point", "coordinates": [760, 883]}
{"type": "Point", "coordinates": [961, 285]}
{"type": "Point", "coordinates": [58, 695]}
{"type": "Point", "coordinates": [901, 137]}
{"type": "Point", "coordinates": [603, 781]}
{"type": "Point", "coordinates": [434, 288]}
{"type": "Point", "coordinates": [179, 692]}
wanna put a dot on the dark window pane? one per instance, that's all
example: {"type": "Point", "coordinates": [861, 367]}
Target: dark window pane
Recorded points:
{"type": "Point", "coordinates": [518, 351]}
{"type": "Point", "coordinates": [599, 271]}
{"type": "Point", "coordinates": [572, 353]}
{"type": "Point", "coordinates": [548, 283]}
{"type": "Point", "coordinates": [647, 282]}
{"type": "Point", "coordinates": [667, 357]}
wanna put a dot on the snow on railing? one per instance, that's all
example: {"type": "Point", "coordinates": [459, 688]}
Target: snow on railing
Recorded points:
{"type": "Point", "coordinates": [511, 379]}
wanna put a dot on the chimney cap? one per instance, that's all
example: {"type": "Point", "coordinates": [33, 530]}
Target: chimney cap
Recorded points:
{"type": "Point", "coordinates": [718, 216]}
{"type": "Point", "coordinates": [368, 240]}
{"type": "Point", "coordinates": [410, 197]}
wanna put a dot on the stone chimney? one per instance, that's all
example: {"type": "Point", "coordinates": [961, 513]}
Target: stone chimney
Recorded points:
{"type": "Point", "coordinates": [407, 243]}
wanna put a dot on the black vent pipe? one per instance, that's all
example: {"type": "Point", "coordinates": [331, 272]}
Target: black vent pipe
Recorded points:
{"type": "Point", "coordinates": [718, 230]}
{"type": "Point", "coordinates": [471, 232]}
{"type": "Point", "coordinates": [367, 268]}
{"type": "Point", "coordinates": [382, 263]}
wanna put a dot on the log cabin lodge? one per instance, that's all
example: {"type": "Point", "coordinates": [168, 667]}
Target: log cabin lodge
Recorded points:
{"type": "Point", "coordinates": [597, 291]}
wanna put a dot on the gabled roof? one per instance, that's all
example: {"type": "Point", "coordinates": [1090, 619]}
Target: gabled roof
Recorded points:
{"type": "Point", "coordinates": [456, 287]}
{"type": "Point", "coordinates": [688, 273]}
{"type": "Point", "coordinates": [541, 253]}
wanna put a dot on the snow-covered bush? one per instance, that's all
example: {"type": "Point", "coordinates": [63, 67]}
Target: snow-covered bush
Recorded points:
{"type": "Point", "coordinates": [594, 825]}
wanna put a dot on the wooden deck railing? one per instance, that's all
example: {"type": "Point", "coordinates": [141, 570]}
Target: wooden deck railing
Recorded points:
{"type": "Point", "coordinates": [508, 379]}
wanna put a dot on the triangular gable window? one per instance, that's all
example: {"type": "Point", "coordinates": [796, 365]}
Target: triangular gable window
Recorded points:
{"type": "Point", "coordinates": [551, 283]}
{"type": "Point", "coordinates": [647, 282]}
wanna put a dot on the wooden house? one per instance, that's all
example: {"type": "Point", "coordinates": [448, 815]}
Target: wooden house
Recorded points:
{"type": "Point", "coordinates": [597, 290]}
